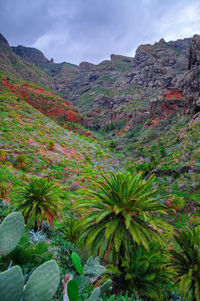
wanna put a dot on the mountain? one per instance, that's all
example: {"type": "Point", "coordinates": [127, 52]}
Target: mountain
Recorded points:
{"type": "Point", "coordinates": [120, 89]}
{"type": "Point", "coordinates": [32, 142]}
{"type": "Point", "coordinates": [41, 133]}
{"type": "Point", "coordinates": [147, 108]}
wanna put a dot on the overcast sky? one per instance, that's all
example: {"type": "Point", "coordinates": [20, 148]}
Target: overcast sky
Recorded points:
{"type": "Point", "coordinates": [90, 30]}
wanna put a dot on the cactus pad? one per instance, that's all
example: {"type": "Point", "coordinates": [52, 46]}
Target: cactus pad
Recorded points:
{"type": "Point", "coordinates": [43, 283]}
{"type": "Point", "coordinates": [11, 284]}
{"type": "Point", "coordinates": [11, 231]}
{"type": "Point", "coordinates": [72, 290]}
{"type": "Point", "coordinates": [77, 263]}
{"type": "Point", "coordinates": [95, 295]}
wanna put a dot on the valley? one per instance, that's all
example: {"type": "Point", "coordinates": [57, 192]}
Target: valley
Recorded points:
{"type": "Point", "coordinates": [104, 160]}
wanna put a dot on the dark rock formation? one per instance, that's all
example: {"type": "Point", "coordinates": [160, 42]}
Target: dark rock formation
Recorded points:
{"type": "Point", "coordinates": [33, 55]}
{"type": "Point", "coordinates": [148, 85]}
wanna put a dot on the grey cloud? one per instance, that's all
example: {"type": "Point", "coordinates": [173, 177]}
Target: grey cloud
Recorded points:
{"type": "Point", "coordinates": [90, 30]}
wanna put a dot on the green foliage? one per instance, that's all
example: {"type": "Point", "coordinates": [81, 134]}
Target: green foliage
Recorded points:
{"type": "Point", "coordinates": [11, 231]}
{"type": "Point", "coordinates": [186, 261]}
{"type": "Point", "coordinates": [68, 227]}
{"type": "Point", "coordinates": [72, 290]}
{"type": "Point", "coordinates": [43, 282]}
{"type": "Point", "coordinates": [4, 190]}
{"type": "Point", "coordinates": [28, 255]}
{"type": "Point", "coordinates": [3, 155]}
{"type": "Point", "coordinates": [41, 285]}
{"type": "Point", "coordinates": [177, 203]}
{"type": "Point", "coordinates": [93, 268]}
{"type": "Point", "coordinates": [21, 162]}
{"type": "Point", "coordinates": [11, 284]}
{"type": "Point", "coordinates": [121, 214]}
{"type": "Point", "coordinates": [121, 298]}
{"type": "Point", "coordinates": [51, 145]}
{"type": "Point", "coordinates": [39, 199]}
{"type": "Point", "coordinates": [145, 273]}
{"type": "Point", "coordinates": [77, 263]}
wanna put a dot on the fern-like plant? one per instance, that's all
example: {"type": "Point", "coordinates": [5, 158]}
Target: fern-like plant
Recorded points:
{"type": "Point", "coordinates": [124, 210]}
{"type": "Point", "coordinates": [186, 262]}
{"type": "Point", "coordinates": [146, 273]}
{"type": "Point", "coordinates": [39, 199]}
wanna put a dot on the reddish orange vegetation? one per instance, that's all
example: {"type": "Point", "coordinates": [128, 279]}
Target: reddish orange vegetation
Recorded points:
{"type": "Point", "coordinates": [3, 156]}
{"type": "Point", "coordinates": [72, 116]}
{"type": "Point", "coordinates": [124, 130]}
{"type": "Point", "coordinates": [173, 94]}
{"type": "Point", "coordinates": [153, 122]}
{"type": "Point", "coordinates": [46, 102]}
{"type": "Point", "coordinates": [89, 134]}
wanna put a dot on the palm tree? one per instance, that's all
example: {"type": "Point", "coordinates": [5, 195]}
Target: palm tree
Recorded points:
{"type": "Point", "coordinates": [146, 273]}
{"type": "Point", "coordinates": [123, 211]}
{"type": "Point", "coordinates": [39, 199]}
{"type": "Point", "coordinates": [186, 262]}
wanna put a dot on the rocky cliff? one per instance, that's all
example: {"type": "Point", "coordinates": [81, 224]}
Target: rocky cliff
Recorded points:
{"type": "Point", "coordinates": [160, 80]}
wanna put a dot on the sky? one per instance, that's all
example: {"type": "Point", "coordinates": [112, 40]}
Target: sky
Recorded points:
{"type": "Point", "coordinates": [91, 30]}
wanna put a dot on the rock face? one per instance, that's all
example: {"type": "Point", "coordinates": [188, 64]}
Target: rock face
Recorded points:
{"type": "Point", "coordinates": [161, 80]}
{"type": "Point", "coordinates": [3, 40]}
{"type": "Point", "coordinates": [33, 55]}
{"type": "Point", "coordinates": [12, 64]}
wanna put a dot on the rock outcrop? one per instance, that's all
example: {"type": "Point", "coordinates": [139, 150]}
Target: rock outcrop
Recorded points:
{"type": "Point", "coordinates": [161, 80]}
{"type": "Point", "coordinates": [33, 55]}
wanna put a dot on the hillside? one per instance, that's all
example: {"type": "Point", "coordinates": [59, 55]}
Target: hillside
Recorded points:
{"type": "Point", "coordinates": [103, 160]}
{"type": "Point", "coordinates": [146, 107]}
{"type": "Point", "coordinates": [32, 142]}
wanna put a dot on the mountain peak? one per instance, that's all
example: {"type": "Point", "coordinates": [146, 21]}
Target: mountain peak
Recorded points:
{"type": "Point", "coordinates": [3, 40]}
{"type": "Point", "coordinates": [30, 54]}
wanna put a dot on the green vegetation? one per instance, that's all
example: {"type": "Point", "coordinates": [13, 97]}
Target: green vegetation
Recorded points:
{"type": "Point", "coordinates": [101, 223]}
{"type": "Point", "coordinates": [120, 216]}
{"type": "Point", "coordinates": [40, 200]}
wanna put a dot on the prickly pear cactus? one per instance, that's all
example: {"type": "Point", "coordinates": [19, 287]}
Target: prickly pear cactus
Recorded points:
{"type": "Point", "coordinates": [43, 283]}
{"type": "Point", "coordinates": [105, 287]}
{"type": "Point", "coordinates": [11, 284]}
{"type": "Point", "coordinates": [95, 295]}
{"type": "Point", "coordinates": [77, 263]}
{"type": "Point", "coordinates": [98, 292]}
{"type": "Point", "coordinates": [11, 230]}
{"type": "Point", "coordinates": [72, 290]}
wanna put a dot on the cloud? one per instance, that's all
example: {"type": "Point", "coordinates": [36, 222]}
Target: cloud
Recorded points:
{"type": "Point", "coordinates": [90, 30]}
{"type": "Point", "coordinates": [181, 23]}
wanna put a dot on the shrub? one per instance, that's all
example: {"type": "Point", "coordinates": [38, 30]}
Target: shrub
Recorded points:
{"type": "Point", "coordinates": [3, 155]}
{"type": "Point", "coordinates": [51, 146]}
{"type": "Point", "coordinates": [4, 190]}
{"type": "Point", "coordinates": [176, 202]}
{"type": "Point", "coordinates": [39, 199]}
{"type": "Point", "coordinates": [21, 162]}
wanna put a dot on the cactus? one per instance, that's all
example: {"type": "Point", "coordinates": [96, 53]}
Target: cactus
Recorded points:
{"type": "Point", "coordinates": [43, 283]}
{"type": "Point", "coordinates": [77, 263]}
{"type": "Point", "coordinates": [41, 286]}
{"type": "Point", "coordinates": [98, 292]}
{"type": "Point", "coordinates": [72, 290]}
{"type": "Point", "coordinates": [105, 287]}
{"type": "Point", "coordinates": [95, 295]}
{"type": "Point", "coordinates": [11, 284]}
{"type": "Point", "coordinates": [11, 231]}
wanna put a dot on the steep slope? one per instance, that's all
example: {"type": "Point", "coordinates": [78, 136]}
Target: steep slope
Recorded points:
{"type": "Point", "coordinates": [45, 101]}
{"type": "Point", "coordinates": [146, 107]}
{"type": "Point", "coordinates": [12, 65]}
{"type": "Point", "coordinates": [32, 142]}
{"type": "Point", "coordinates": [123, 88]}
